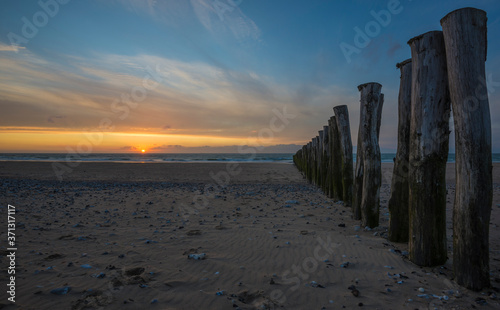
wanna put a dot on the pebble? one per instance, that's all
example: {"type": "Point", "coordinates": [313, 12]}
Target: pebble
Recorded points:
{"type": "Point", "coordinates": [200, 256]}
{"type": "Point", "coordinates": [220, 293]}
{"type": "Point", "coordinates": [421, 290]}
{"type": "Point", "coordinates": [61, 290]}
{"type": "Point", "coordinates": [86, 266]}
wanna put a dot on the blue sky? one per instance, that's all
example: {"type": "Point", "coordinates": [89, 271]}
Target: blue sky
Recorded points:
{"type": "Point", "coordinates": [218, 69]}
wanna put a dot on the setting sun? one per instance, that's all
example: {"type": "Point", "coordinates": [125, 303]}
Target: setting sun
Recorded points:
{"type": "Point", "coordinates": [144, 151]}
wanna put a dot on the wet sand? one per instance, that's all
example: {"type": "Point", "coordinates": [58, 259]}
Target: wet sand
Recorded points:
{"type": "Point", "coordinates": [119, 236]}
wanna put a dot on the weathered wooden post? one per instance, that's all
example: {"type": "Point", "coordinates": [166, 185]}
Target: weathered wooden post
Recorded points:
{"type": "Point", "coordinates": [369, 128]}
{"type": "Point", "coordinates": [430, 112]}
{"type": "Point", "coordinates": [399, 199]}
{"type": "Point", "coordinates": [316, 161]}
{"type": "Point", "coordinates": [336, 162]}
{"type": "Point", "coordinates": [357, 188]}
{"type": "Point", "coordinates": [320, 159]}
{"type": "Point", "coordinates": [325, 160]}
{"type": "Point", "coordinates": [330, 159]}
{"type": "Point", "coordinates": [309, 161]}
{"type": "Point", "coordinates": [345, 146]}
{"type": "Point", "coordinates": [465, 36]}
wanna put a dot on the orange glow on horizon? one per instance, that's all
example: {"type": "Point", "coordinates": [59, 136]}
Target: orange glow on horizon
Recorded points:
{"type": "Point", "coordinates": [114, 142]}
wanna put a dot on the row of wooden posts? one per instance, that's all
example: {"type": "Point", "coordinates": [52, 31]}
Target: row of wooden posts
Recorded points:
{"type": "Point", "coordinates": [445, 67]}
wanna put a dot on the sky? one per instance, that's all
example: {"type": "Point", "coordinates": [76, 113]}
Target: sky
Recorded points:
{"type": "Point", "coordinates": [206, 75]}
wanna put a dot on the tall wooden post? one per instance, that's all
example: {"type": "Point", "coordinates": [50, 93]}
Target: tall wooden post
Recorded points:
{"type": "Point", "coordinates": [345, 145]}
{"type": "Point", "coordinates": [325, 160]}
{"type": "Point", "coordinates": [320, 159]}
{"type": "Point", "coordinates": [336, 162]}
{"type": "Point", "coordinates": [430, 112]}
{"type": "Point", "coordinates": [331, 144]}
{"type": "Point", "coordinates": [369, 128]}
{"type": "Point", "coordinates": [398, 201]}
{"type": "Point", "coordinates": [309, 161]}
{"type": "Point", "coordinates": [357, 188]}
{"type": "Point", "coordinates": [466, 40]}
{"type": "Point", "coordinates": [316, 161]}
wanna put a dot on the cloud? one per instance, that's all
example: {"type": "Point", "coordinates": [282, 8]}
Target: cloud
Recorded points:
{"type": "Point", "coordinates": [220, 17]}
{"type": "Point", "coordinates": [191, 99]}
{"type": "Point", "coordinates": [52, 118]}
{"type": "Point", "coordinates": [10, 48]}
{"type": "Point", "coordinates": [396, 46]}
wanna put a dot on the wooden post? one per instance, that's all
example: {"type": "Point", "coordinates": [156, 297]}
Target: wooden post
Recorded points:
{"type": "Point", "coordinates": [430, 112]}
{"type": "Point", "coordinates": [336, 162]}
{"type": "Point", "coordinates": [316, 161]}
{"type": "Point", "coordinates": [325, 160]}
{"type": "Point", "coordinates": [369, 128]}
{"type": "Point", "coordinates": [466, 40]}
{"type": "Point", "coordinates": [345, 146]}
{"type": "Point", "coordinates": [309, 162]}
{"type": "Point", "coordinates": [320, 159]}
{"type": "Point", "coordinates": [398, 201]}
{"type": "Point", "coordinates": [357, 188]}
{"type": "Point", "coordinates": [331, 168]}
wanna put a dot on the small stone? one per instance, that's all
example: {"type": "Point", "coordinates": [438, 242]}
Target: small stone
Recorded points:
{"type": "Point", "coordinates": [421, 290]}
{"type": "Point", "coordinates": [61, 290]}
{"type": "Point", "coordinates": [355, 292]}
{"type": "Point", "coordinates": [272, 281]}
{"type": "Point", "coordinates": [200, 256]}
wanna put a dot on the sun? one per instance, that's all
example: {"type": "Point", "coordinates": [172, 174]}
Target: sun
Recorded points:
{"type": "Point", "coordinates": [143, 151]}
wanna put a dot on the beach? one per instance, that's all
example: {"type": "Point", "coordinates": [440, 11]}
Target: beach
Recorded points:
{"type": "Point", "coordinates": [212, 236]}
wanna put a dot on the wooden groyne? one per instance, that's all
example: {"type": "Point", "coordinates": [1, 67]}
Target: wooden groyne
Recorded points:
{"type": "Point", "coordinates": [446, 70]}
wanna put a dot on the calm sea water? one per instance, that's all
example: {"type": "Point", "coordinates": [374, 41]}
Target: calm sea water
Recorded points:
{"type": "Point", "coordinates": [161, 158]}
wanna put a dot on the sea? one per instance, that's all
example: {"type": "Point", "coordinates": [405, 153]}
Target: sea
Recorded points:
{"type": "Point", "coordinates": [176, 158]}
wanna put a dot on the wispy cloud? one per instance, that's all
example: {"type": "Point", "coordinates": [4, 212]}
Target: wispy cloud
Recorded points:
{"type": "Point", "coordinates": [10, 48]}
{"type": "Point", "coordinates": [191, 98]}
{"type": "Point", "coordinates": [53, 118]}
{"type": "Point", "coordinates": [220, 17]}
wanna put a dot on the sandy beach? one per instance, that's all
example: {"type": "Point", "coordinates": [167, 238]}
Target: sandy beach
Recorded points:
{"type": "Point", "coordinates": [212, 236]}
